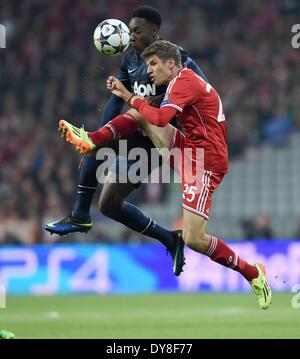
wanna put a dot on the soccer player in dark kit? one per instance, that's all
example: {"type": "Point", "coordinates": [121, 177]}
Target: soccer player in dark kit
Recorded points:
{"type": "Point", "coordinates": [144, 25]}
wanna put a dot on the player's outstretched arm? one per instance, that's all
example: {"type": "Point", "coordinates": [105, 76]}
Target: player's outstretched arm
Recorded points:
{"type": "Point", "coordinates": [159, 117]}
{"type": "Point", "coordinates": [156, 116]}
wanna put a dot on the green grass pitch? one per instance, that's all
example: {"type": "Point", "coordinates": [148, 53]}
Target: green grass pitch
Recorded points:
{"type": "Point", "coordinates": [157, 316]}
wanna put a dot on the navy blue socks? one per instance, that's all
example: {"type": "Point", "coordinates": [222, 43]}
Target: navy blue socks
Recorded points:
{"type": "Point", "coordinates": [132, 217]}
{"type": "Point", "coordinates": [87, 185]}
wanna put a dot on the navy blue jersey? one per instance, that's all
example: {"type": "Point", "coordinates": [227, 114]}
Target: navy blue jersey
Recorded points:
{"type": "Point", "coordinates": [133, 74]}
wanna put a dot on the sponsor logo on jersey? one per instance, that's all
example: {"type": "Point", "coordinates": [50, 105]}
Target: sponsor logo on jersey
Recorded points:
{"type": "Point", "coordinates": [132, 70]}
{"type": "Point", "coordinates": [144, 90]}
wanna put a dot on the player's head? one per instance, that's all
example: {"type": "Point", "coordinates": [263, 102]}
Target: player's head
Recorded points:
{"type": "Point", "coordinates": [144, 25]}
{"type": "Point", "coordinates": [163, 60]}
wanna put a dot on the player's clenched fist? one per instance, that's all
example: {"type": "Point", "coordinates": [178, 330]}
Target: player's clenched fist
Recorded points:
{"type": "Point", "coordinates": [117, 88]}
{"type": "Point", "coordinates": [110, 82]}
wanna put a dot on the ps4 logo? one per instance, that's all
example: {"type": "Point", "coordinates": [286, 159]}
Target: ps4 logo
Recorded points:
{"type": "Point", "coordinates": [2, 37]}
{"type": "Point", "coordinates": [296, 38]}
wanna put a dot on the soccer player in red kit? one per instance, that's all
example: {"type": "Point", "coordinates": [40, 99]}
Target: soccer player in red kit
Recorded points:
{"type": "Point", "coordinates": [199, 108]}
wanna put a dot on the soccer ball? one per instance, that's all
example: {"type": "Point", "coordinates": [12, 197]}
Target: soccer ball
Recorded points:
{"type": "Point", "coordinates": [112, 37]}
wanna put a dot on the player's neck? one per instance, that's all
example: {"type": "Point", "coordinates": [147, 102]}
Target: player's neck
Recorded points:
{"type": "Point", "coordinates": [174, 73]}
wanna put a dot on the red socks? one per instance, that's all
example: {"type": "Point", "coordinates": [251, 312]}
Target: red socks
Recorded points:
{"type": "Point", "coordinates": [219, 252]}
{"type": "Point", "coordinates": [120, 126]}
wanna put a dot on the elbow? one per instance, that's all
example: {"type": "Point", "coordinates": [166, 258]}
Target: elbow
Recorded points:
{"type": "Point", "coordinates": [160, 122]}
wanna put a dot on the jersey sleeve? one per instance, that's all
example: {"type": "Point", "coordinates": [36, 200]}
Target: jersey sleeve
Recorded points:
{"type": "Point", "coordinates": [157, 116]}
{"type": "Point", "coordinates": [180, 93]}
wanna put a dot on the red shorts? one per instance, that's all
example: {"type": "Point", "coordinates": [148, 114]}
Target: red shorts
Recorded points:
{"type": "Point", "coordinates": [198, 184]}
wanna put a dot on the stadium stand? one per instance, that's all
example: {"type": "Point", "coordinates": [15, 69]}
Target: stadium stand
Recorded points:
{"type": "Point", "coordinates": [50, 69]}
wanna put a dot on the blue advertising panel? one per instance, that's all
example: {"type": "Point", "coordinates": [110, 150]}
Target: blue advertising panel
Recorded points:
{"type": "Point", "coordinates": [138, 268]}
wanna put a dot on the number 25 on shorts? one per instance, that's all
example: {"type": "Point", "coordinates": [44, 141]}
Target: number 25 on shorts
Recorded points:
{"type": "Point", "coordinates": [189, 192]}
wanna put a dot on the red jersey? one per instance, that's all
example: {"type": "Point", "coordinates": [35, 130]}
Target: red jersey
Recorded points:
{"type": "Point", "coordinates": [200, 110]}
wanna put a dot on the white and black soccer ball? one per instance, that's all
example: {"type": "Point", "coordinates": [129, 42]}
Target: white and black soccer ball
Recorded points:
{"type": "Point", "coordinates": [112, 37]}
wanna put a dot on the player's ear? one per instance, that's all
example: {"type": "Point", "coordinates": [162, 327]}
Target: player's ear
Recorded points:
{"type": "Point", "coordinates": [171, 63]}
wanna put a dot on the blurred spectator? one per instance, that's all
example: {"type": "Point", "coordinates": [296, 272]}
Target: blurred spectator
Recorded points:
{"type": "Point", "coordinates": [258, 228]}
{"type": "Point", "coordinates": [277, 128]}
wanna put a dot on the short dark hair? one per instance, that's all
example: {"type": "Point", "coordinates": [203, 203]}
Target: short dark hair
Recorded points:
{"type": "Point", "coordinates": [149, 13]}
{"type": "Point", "coordinates": [165, 50]}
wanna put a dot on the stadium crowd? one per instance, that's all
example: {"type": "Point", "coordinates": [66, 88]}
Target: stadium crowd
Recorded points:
{"type": "Point", "coordinates": [51, 70]}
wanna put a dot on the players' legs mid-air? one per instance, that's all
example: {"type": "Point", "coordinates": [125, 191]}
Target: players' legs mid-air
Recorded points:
{"type": "Point", "coordinates": [194, 223]}
{"type": "Point", "coordinates": [196, 238]}
{"type": "Point", "coordinates": [112, 201]}
{"type": "Point", "coordinates": [113, 204]}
